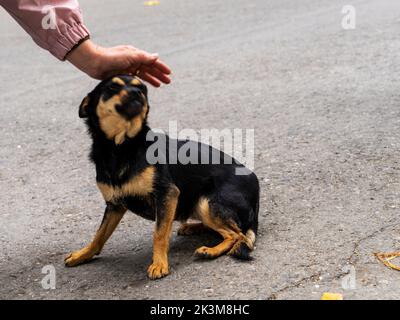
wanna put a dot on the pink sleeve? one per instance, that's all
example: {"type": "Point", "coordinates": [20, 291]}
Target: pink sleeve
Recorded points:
{"type": "Point", "coordinates": [55, 25]}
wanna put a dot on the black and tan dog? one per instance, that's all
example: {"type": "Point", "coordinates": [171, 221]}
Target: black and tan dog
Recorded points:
{"type": "Point", "coordinates": [116, 115]}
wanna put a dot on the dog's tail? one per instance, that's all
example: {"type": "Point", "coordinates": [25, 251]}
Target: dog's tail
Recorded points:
{"type": "Point", "coordinates": [242, 248]}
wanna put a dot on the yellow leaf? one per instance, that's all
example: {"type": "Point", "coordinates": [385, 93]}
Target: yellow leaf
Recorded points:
{"type": "Point", "coordinates": [151, 3]}
{"type": "Point", "coordinates": [331, 296]}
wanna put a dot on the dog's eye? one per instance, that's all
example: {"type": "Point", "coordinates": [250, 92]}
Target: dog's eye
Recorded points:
{"type": "Point", "coordinates": [114, 87]}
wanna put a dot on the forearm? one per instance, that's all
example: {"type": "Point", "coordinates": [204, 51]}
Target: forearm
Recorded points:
{"type": "Point", "coordinates": [57, 26]}
{"type": "Point", "coordinates": [85, 57]}
{"type": "Point", "coordinates": [59, 35]}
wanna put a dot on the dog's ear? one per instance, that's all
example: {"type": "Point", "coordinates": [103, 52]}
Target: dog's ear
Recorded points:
{"type": "Point", "coordinates": [83, 108]}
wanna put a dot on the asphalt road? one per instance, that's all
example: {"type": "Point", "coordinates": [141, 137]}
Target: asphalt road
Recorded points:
{"type": "Point", "coordinates": [324, 104]}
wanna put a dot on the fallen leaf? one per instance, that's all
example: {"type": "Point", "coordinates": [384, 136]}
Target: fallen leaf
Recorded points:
{"type": "Point", "coordinates": [386, 257]}
{"type": "Point", "coordinates": [331, 296]}
{"type": "Point", "coordinates": [151, 3]}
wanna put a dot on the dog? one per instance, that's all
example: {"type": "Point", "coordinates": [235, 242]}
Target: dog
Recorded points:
{"type": "Point", "coordinates": [116, 114]}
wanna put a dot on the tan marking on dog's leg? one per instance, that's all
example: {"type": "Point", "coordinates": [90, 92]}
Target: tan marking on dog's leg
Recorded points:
{"type": "Point", "coordinates": [188, 229]}
{"type": "Point", "coordinates": [217, 251]}
{"type": "Point", "coordinates": [159, 267]}
{"type": "Point", "coordinates": [249, 239]}
{"type": "Point", "coordinates": [241, 240]}
{"type": "Point", "coordinates": [230, 232]}
{"type": "Point", "coordinates": [110, 222]}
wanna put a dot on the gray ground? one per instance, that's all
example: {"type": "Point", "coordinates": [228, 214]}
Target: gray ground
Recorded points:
{"type": "Point", "coordinates": [324, 105]}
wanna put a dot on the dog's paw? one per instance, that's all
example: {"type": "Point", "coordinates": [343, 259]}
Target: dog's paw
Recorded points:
{"type": "Point", "coordinates": [78, 257]}
{"type": "Point", "coordinates": [157, 270]}
{"type": "Point", "coordinates": [205, 252]}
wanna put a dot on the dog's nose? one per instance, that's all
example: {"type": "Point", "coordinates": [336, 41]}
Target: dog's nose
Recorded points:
{"type": "Point", "coordinates": [129, 107]}
{"type": "Point", "coordinates": [133, 108]}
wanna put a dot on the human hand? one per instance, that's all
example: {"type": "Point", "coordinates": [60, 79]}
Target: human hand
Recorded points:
{"type": "Point", "coordinates": [100, 63]}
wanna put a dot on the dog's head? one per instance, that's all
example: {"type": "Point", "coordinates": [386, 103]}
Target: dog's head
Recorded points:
{"type": "Point", "coordinates": [117, 107]}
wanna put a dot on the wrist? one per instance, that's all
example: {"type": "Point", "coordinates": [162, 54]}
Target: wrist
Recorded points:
{"type": "Point", "coordinates": [86, 58]}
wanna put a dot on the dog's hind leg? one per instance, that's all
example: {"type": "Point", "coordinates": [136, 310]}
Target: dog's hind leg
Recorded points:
{"type": "Point", "coordinates": [164, 219]}
{"type": "Point", "coordinates": [112, 216]}
{"type": "Point", "coordinates": [229, 231]}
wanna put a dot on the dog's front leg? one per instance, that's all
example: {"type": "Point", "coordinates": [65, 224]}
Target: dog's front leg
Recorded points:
{"type": "Point", "coordinates": [165, 216]}
{"type": "Point", "coordinates": [112, 216]}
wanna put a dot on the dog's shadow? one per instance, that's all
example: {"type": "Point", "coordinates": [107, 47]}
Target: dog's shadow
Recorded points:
{"type": "Point", "coordinates": [130, 266]}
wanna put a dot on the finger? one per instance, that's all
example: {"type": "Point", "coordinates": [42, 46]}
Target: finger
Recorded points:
{"type": "Point", "coordinates": [149, 78]}
{"type": "Point", "coordinates": [160, 65]}
{"type": "Point", "coordinates": [144, 57]}
{"type": "Point", "coordinates": [156, 73]}
{"type": "Point", "coordinates": [151, 59]}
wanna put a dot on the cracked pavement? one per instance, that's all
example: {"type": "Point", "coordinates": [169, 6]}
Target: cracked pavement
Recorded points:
{"type": "Point", "coordinates": [324, 105]}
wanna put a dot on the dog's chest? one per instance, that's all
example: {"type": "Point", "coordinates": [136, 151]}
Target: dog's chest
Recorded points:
{"type": "Point", "coordinates": [139, 185]}
{"type": "Point", "coordinates": [143, 207]}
